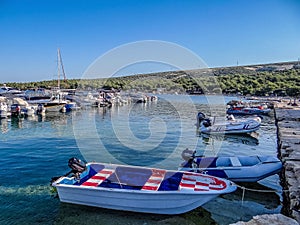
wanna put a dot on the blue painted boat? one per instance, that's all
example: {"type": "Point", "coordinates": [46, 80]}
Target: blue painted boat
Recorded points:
{"type": "Point", "coordinates": [138, 189]}
{"type": "Point", "coordinates": [234, 168]}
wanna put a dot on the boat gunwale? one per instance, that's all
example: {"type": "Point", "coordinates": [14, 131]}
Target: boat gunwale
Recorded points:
{"type": "Point", "coordinates": [185, 191]}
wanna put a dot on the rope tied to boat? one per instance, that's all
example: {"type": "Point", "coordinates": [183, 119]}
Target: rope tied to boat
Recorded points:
{"type": "Point", "coordinates": [244, 189]}
{"type": "Point", "coordinates": [259, 190]}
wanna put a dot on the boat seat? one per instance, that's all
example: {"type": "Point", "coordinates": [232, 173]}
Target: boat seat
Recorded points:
{"type": "Point", "coordinates": [154, 180]}
{"type": "Point", "coordinates": [99, 177]}
{"type": "Point", "coordinates": [235, 161]}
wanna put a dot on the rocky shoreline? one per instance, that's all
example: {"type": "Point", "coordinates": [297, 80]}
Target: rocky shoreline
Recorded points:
{"type": "Point", "coordinates": [287, 120]}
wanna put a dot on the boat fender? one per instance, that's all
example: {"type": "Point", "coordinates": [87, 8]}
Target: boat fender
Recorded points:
{"type": "Point", "coordinates": [76, 165]}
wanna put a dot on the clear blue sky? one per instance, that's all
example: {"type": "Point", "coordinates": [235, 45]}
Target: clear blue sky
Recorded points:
{"type": "Point", "coordinates": [220, 32]}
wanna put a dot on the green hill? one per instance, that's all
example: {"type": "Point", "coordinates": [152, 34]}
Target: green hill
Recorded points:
{"type": "Point", "coordinates": [261, 80]}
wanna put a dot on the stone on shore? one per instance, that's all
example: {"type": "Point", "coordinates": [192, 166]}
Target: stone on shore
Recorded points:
{"type": "Point", "coordinates": [288, 125]}
{"type": "Point", "coordinates": [274, 219]}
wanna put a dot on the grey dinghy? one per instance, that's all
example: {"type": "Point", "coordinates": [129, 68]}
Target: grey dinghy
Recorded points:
{"type": "Point", "coordinates": [139, 189]}
{"type": "Point", "coordinates": [234, 168]}
{"type": "Point", "coordinates": [227, 127]}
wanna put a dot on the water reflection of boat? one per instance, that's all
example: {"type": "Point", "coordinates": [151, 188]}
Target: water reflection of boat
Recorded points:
{"type": "Point", "coordinates": [233, 138]}
{"type": "Point", "coordinates": [4, 125]}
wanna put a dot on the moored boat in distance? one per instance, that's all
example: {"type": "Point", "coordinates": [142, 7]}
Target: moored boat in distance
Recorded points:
{"type": "Point", "coordinates": [247, 108]}
{"type": "Point", "coordinates": [234, 168]}
{"type": "Point", "coordinates": [54, 104]}
{"type": "Point", "coordinates": [3, 108]}
{"type": "Point", "coordinates": [248, 111]}
{"type": "Point", "coordinates": [138, 189]}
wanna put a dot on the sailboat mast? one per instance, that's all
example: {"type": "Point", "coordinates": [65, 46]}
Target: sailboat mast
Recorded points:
{"type": "Point", "coordinates": [58, 68]}
{"type": "Point", "coordinates": [62, 67]}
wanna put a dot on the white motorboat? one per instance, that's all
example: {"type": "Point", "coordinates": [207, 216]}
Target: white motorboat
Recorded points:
{"type": "Point", "coordinates": [4, 112]}
{"type": "Point", "coordinates": [138, 189]}
{"type": "Point", "coordinates": [54, 104]}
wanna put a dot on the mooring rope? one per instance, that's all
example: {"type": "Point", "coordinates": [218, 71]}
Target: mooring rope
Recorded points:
{"type": "Point", "coordinates": [244, 189]}
{"type": "Point", "coordinates": [258, 190]}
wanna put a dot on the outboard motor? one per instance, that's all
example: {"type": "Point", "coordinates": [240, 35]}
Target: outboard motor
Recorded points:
{"type": "Point", "coordinates": [15, 110]}
{"type": "Point", "coordinates": [200, 118]}
{"type": "Point", "coordinates": [188, 154]}
{"type": "Point", "coordinates": [40, 109]}
{"type": "Point", "coordinates": [76, 165]}
{"type": "Point", "coordinates": [206, 122]}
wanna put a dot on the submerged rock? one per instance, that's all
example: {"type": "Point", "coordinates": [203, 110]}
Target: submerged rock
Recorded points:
{"type": "Point", "coordinates": [267, 219]}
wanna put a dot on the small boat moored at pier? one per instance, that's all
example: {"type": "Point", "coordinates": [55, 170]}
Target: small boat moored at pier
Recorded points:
{"type": "Point", "coordinates": [3, 108]}
{"type": "Point", "coordinates": [138, 189]}
{"type": "Point", "coordinates": [232, 126]}
{"type": "Point", "coordinates": [248, 111]}
{"type": "Point", "coordinates": [248, 108]}
{"type": "Point", "coordinates": [234, 168]}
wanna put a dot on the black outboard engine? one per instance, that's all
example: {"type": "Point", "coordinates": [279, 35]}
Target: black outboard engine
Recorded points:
{"type": "Point", "coordinates": [40, 109]}
{"type": "Point", "coordinates": [206, 122]}
{"type": "Point", "coordinates": [15, 110]}
{"type": "Point", "coordinates": [188, 154]}
{"type": "Point", "coordinates": [200, 118]}
{"type": "Point", "coordinates": [76, 165]}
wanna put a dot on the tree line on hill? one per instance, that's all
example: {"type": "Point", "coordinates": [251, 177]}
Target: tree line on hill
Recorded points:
{"type": "Point", "coordinates": [209, 81]}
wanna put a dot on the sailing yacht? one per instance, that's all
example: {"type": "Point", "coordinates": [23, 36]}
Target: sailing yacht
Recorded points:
{"type": "Point", "coordinates": [55, 103]}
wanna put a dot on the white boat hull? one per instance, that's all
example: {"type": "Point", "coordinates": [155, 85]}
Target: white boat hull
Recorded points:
{"type": "Point", "coordinates": [234, 127]}
{"type": "Point", "coordinates": [162, 203]}
{"type": "Point", "coordinates": [54, 108]}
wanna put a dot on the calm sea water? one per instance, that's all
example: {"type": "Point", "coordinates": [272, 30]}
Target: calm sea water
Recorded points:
{"type": "Point", "coordinates": [154, 134]}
